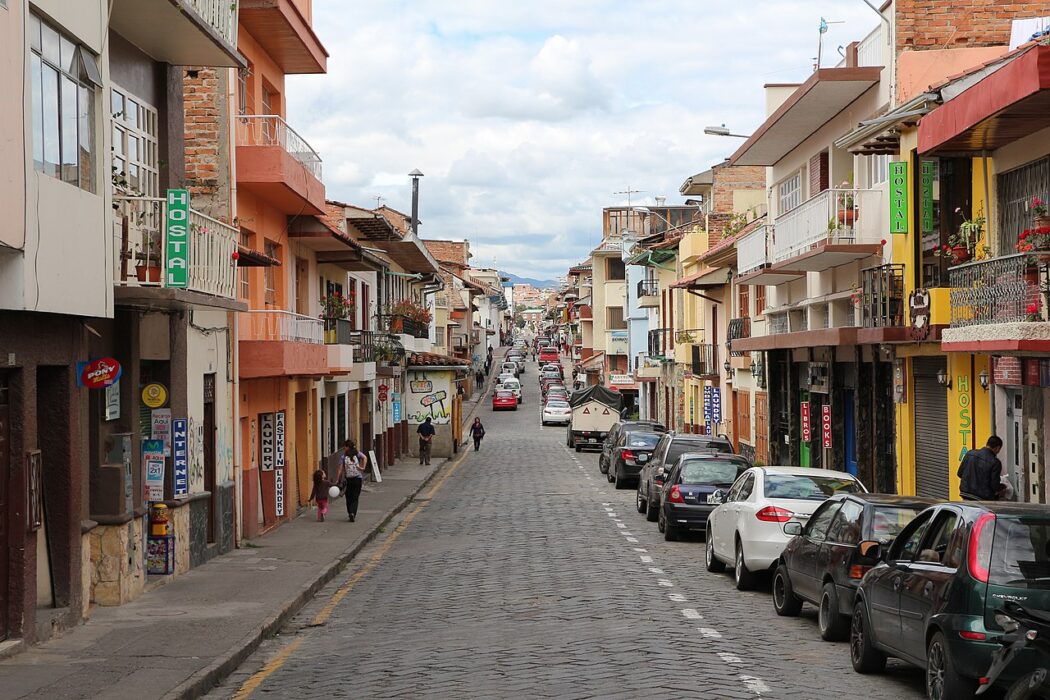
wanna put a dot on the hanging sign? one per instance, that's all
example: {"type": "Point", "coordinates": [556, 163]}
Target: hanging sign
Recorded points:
{"type": "Point", "coordinates": [825, 424]}
{"type": "Point", "coordinates": [707, 403]}
{"type": "Point", "coordinates": [807, 434]}
{"type": "Point", "coordinates": [180, 460]}
{"type": "Point", "coordinates": [177, 234]}
{"type": "Point", "coordinates": [926, 198]}
{"type": "Point", "coordinates": [395, 401]}
{"type": "Point", "coordinates": [278, 492]}
{"type": "Point", "coordinates": [153, 464]}
{"type": "Point", "coordinates": [112, 411]}
{"type": "Point", "coordinates": [716, 405]}
{"type": "Point", "coordinates": [266, 441]}
{"type": "Point", "coordinates": [154, 395]}
{"type": "Point", "coordinates": [278, 440]}
{"type": "Point", "coordinates": [899, 197]}
{"type": "Point", "coordinates": [160, 427]}
{"type": "Point", "coordinates": [383, 389]}
{"type": "Point", "coordinates": [98, 374]}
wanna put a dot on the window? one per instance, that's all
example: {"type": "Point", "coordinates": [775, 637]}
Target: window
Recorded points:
{"type": "Point", "coordinates": [615, 270]}
{"type": "Point", "coordinates": [63, 77]}
{"type": "Point", "coordinates": [935, 548]}
{"type": "Point", "coordinates": [760, 300]}
{"type": "Point", "coordinates": [245, 93]}
{"type": "Point", "coordinates": [846, 528]}
{"type": "Point", "coordinates": [615, 318]}
{"type": "Point", "coordinates": [878, 169]}
{"type": "Point", "coordinates": [744, 300]}
{"type": "Point", "coordinates": [746, 487]}
{"type": "Point", "coordinates": [817, 527]}
{"type": "Point", "coordinates": [907, 545]}
{"type": "Point", "coordinates": [246, 242]}
{"type": "Point", "coordinates": [135, 162]}
{"type": "Point", "coordinates": [270, 273]}
{"type": "Point", "coordinates": [789, 193]}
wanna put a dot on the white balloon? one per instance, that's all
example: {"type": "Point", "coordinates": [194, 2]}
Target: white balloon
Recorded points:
{"type": "Point", "coordinates": [333, 492]}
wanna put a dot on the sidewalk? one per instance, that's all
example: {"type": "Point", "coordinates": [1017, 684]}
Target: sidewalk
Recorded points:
{"type": "Point", "coordinates": [180, 639]}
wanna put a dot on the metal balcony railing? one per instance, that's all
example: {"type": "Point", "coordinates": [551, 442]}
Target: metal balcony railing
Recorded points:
{"type": "Point", "coordinates": [777, 324]}
{"type": "Point", "coordinates": [272, 130]}
{"type": "Point", "coordinates": [835, 216]}
{"type": "Point", "coordinates": [704, 359]}
{"type": "Point", "coordinates": [282, 326]}
{"type": "Point", "coordinates": [364, 346]}
{"type": "Point", "coordinates": [648, 288]}
{"type": "Point", "coordinates": [396, 323]}
{"type": "Point", "coordinates": [998, 290]}
{"type": "Point", "coordinates": [661, 342]}
{"type": "Point", "coordinates": [140, 243]}
{"type": "Point", "coordinates": [220, 15]}
{"type": "Point", "coordinates": [882, 296]}
{"type": "Point", "coordinates": [738, 328]}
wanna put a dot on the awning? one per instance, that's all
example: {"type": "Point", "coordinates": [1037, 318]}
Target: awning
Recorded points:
{"type": "Point", "coordinates": [768, 276]}
{"type": "Point", "coordinates": [881, 135]}
{"type": "Point", "coordinates": [816, 102]}
{"type": "Point", "coordinates": [247, 257]}
{"type": "Point", "coordinates": [372, 226]}
{"type": "Point", "coordinates": [1007, 104]}
{"type": "Point", "coordinates": [595, 361]}
{"type": "Point", "coordinates": [410, 254]}
{"type": "Point", "coordinates": [707, 277]}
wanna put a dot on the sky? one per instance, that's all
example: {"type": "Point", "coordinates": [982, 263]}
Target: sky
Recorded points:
{"type": "Point", "coordinates": [528, 118]}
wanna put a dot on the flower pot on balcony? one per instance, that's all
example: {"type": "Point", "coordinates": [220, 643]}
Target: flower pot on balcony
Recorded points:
{"type": "Point", "coordinates": [1041, 221]}
{"type": "Point", "coordinates": [148, 273]}
{"type": "Point", "coordinates": [960, 254]}
{"type": "Point", "coordinates": [847, 216]}
{"type": "Point", "coordinates": [397, 325]}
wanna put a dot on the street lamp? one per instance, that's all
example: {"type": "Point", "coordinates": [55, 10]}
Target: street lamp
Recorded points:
{"type": "Point", "coordinates": [415, 175]}
{"type": "Point", "coordinates": [723, 131]}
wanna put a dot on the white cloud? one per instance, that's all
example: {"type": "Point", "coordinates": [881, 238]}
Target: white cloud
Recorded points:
{"type": "Point", "coordinates": [526, 117]}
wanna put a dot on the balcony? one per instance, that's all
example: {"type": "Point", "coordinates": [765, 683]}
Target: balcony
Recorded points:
{"type": "Point", "coordinates": [882, 300]}
{"type": "Point", "coordinates": [752, 254]}
{"type": "Point", "coordinates": [704, 360]}
{"type": "Point", "coordinates": [283, 32]}
{"type": "Point", "coordinates": [648, 294]}
{"type": "Point", "coordinates": [140, 245]}
{"type": "Point", "coordinates": [277, 164]}
{"type": "Point", "coordinates": [281, 343]}
{"type": "Point", "coordinates": [738, 328]}
{"type": "Point", "coordinates": [361, 348]}
{"type": "Point", "coordinates": [997, 305]}
{"type": "Point", "coordinates": [396, 323]}
{"type": "Point", "coordinates": [834, 228]}
{"type": "Point", "coordinates": [661, 343]}
{"type": "Point", "coordinates": [338, 340]}
{"type": "Point", "coordinates": [180, 32]}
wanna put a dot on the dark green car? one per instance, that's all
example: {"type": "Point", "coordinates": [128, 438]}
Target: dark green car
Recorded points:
{"type": "Point", "coordinates": [932, 597]}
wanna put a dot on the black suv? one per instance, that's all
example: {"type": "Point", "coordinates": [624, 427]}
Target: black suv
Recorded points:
{"type": "Point", "coordinates": [672, 446]}
{"type": "Point", "coordinates": [618, 429]}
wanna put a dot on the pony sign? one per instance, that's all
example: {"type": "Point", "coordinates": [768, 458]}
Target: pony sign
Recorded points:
{"type": "Point", "coordinates": [98, 374]}
{"type": "Point", "coordinates": [177, 230]}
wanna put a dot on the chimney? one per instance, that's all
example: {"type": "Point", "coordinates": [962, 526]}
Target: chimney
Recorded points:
{"type": "Point", "coordinates": [660, 200]}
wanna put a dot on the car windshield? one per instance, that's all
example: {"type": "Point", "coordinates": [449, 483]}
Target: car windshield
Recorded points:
{"type": "Point", "coordinates": [805, 487]}
{"type": "Point", "coordinates": [557, 404]}
{"type": "Point", "coordinates": [641, 441]}
{"type": "Point", "coordinates": [1021, 552]}
{"type": "Point", "coordinates": [716, 472]}
{"type": "Point", "coordinates": [680, 447]}
{"type": "Point", "coordinates": [888, 521]}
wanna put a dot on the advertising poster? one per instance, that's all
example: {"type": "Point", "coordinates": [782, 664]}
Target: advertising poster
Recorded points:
{"type": "Point", "coordinates": [153, 466]}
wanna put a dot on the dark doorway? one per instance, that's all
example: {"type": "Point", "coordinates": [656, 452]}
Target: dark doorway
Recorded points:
{"type": "Point", "coordinates": [209, 451]}
{"type": "Point", "coordinates": [53, 439]}
{"type": "Point", "coordinates": [5, 506]}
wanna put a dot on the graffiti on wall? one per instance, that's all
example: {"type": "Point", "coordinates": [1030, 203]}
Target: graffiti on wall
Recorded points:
{"type": "Point", "coordinates": [429, 397]}
{"type": "Point", "coordinates": [196, 456]}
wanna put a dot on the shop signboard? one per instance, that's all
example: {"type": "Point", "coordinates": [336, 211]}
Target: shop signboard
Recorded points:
{"type": "Point", "coordinates": [177, 235]}
{"type": "Point", "coordinates": [926, 196]}
{"type": "Point", "coordinates": [278, 492]}
{"type": "Point", "coordinates": [112, 401]}
{"type": "Point", "coordinates": [98, 374]}
{"type": "Point", "coordinates": [707, 403]}
{"type": "Point", "coordinates": [395, 401]}
{"type": "Point", "coordinates": [180, 458]}
{"type": "Point", "coordinates": [153, 464]}
{"type": "Point", "coordinates": [825, 425]}
{"type": "Point", "coordinates": [899, 197]}
{"type": "Point", "coordinates": [803, 413]}
{"type": "Point", "coordinates": [716, 404]}
{"type": "Point", "coordinates": [278, 440]}
{"type": "Point", "coordinates": [266, 441]}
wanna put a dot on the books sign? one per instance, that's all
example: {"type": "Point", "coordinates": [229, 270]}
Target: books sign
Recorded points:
{"type": "Point", "coordinates": [825, 424]}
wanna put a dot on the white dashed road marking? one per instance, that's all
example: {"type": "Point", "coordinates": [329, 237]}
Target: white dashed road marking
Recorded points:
{"type": "Point", "coordinates": [710, 633]}
{"type": "Point", "coordinates": [665, 583]}
{"type": "Point", "coordinates": [755, 685]}
{"type": "Point", "coordinates": [654, 570]}
{"type": "Point", "coordinates": [730, 658]}
{"type": "Point", "coordinates": [691, 614]}
{"type": "Point", "coordinates": [676, 597]}
{"type": "Point", "coordinates": [632, 540]}
{"type": "Point", "coordinates": [647, 560]}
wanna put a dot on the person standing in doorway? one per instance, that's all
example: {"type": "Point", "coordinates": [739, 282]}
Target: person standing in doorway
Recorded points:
{"type": "Point", "coordinates": [477, 431]}
{"type": "Point", "coordinates": [980, 470]}
{"type": "Point", "coordinates": [426, 437]}
{"type": "Point", "coordinates": [352, 476]}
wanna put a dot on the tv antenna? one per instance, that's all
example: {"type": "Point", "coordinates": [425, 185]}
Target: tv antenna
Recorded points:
{"type": "Point", "coordinates": [379, 200]}
{"type": "Point", "coordinates": [820, 41]}
{"type": "Point", "coordinates": [629, 192]}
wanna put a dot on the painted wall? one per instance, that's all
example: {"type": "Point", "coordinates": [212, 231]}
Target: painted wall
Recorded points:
{"type": "Point", "coordinates": [429, 394]}
{"type": "Point", "coordinates": [12, 128]}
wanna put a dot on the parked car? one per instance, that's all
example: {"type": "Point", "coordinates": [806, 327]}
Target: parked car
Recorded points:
{"type": "Point", "coordinates": [511, 367]}
{"type": "Point", "coordinates": [616, 432]}
{"type": "Point", "coordinates": [671, 447]}
{"type": "Point", "coordinates": [549, 386]}
{"type": "Point", "coordinates": [504, 399]}
{"type": "Point", "coordinates": [504, 377]}
{"type": "Point", "coordinates": [548, 354]}
{"type": "Point", "coordinates": [514, 386]}
{"type": "Point", "coordinates": [932, 598]}
{"type": "Point", "coordinates": [546, 376]}
{"type": "Point", "coordinates": [517, 358]}
{"type": "Point", "coordinates": [747, 528]}
{"type": "Point", "coordinates": [631, 452]}
{"type": "Point", "coordinates": [683, 505]}
{"type": "Point", "coordinates": [553, 367]}
{"type": "Point", "coordinates": [557, 412]}
{"type": "Point", "coordinates": [822, 564]}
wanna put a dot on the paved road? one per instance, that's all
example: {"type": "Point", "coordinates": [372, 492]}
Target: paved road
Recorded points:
{"type": "Point", "coordinates": [525, 574]}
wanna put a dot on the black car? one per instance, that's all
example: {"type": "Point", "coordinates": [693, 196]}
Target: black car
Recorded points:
{"type": "Point", "coordinates": [823, 566]}
{"type": "Point", "coordinates": [935, 597]}
{"type": "Point", "coordinates": [672, 446]}
{"type": "Point", "coordinates": [695, 476]}
{"type": "Point", "coordinates": [604, 459]}
{"type": "Point", "coordinates": [629, 455]}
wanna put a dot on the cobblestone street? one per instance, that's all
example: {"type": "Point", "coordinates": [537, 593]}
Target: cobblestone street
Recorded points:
{"type": "Point", "coordinates": [522, 573]}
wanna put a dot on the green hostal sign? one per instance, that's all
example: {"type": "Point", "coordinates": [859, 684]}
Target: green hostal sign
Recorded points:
{"type": "Point", "coordinates": [177, 237]}
{"type": "Point", "coordinates": [899, 197]}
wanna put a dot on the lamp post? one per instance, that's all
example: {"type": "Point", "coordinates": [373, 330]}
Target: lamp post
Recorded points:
{"type": "Point", "coordinates": [723, 131]}
{"type": "Point", "coordinates": [415, 175]}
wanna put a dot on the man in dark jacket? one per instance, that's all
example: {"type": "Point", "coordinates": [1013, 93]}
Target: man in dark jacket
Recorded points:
{"type": "Point", "coordinates": [979, 472]}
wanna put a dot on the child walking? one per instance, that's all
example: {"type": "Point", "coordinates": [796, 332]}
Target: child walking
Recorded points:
{"type": "Point", "coordinates": [320, 493]}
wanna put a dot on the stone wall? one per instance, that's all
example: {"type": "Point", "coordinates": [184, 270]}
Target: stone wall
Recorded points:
{"type": "Point", "coordinates": [118, 572]}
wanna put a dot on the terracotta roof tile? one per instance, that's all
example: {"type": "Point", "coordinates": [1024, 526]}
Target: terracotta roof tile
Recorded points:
{"type": "Point", "coordinates": [433, 359]}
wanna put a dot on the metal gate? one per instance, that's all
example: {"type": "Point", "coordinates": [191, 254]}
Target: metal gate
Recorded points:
{"type": "Point", "coordinates": [931, 427]}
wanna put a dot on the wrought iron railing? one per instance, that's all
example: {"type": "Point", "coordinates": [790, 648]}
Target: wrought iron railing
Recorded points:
{"type": "Point", "coordinates": [648, 288]}
{"type": "Point", "coordinates": [364, 346]}
{"type": "Point", "coordinates": [220, 15]}
{"type": "Point", "coordinates": [777, 324]}
{"type": "Point", "coordinates": [273, 130]}
{"type": "Point", "coordinates": [882, 296]}
{"type": "Point", "coordinates": [397, 323]}
{"type": "Point", "coordinates": [661, 342]}
{"type": "Point", "coordinates": [282, 326]}
{"type": "Point", "coordinates": [738, 328]}
{"type": "Point", "coordinates": [998, 290]}
{"type": "Point", "coordinates": [704, 359]}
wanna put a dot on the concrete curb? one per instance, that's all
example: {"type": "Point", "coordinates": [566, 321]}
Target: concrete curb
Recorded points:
{"type": "Point", "coordinates": [207, 678]}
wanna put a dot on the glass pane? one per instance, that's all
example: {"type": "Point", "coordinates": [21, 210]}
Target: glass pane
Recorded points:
{"type": "Point", "coordinates": [117, 104]}
{"type": "Point", "coordinates": [37, 114]}
{"type": "Point", "coordinates": [34, 32]}
{"type": "Point", "coordinates": [118, 166]}
{"type": "Point", "coordinates": [132, 116]}
{"type": "Point", "coordinates": [69, 118]}
{"type": "Point", "coordinates": [133, 176]}
{"type": "Point", "coordinates": [67, 52]}
{"type": "Point", "coordinates": [49, 81]}
{"type": "Point", "coordinates": [86, 157]}
{"type": "Point", "coordinates": [133, 148]}
{"type": "Point", "coordinates": [51, 45]}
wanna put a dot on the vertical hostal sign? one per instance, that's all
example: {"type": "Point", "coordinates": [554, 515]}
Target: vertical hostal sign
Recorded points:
{"type": "Point", "coordinates": [177, 235]}
{"type": "Point", "coordinates": [899, 197]}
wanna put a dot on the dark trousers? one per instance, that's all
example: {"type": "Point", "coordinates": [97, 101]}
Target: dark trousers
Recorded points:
{"type": "Point", "coordinates": [477, 444]}
{"type": "Point", "coordinates": [424, 452]}
{"type": "Point", "coordinates": [353, 495]}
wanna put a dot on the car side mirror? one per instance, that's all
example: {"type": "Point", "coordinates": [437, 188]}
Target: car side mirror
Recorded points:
{"type": "Point", "coordinates": [792, 528]}
{"type": "Point", "coordinates": [870, 549]}
{"type": "Point", "coordinates": [718, 496]}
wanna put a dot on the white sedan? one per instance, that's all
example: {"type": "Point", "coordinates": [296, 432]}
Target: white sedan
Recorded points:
{"type": "Point", "coordinates": [557, 412]}
{"type": "Point", "coordinates": [512, 385]}
{"type": "Point", "coordinates": [747, 529]}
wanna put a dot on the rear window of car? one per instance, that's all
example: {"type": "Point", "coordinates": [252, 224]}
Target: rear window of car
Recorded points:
{"type": "Point", "coordinates": [808, 488]}
{"type": "Point", "coordinates": [1020, 553]}
{"type": "Point", "coordinates": [643, 441]}
{"type": "Point", "coordinates": [505, 394]}
{"type": "Point", "coordinates": [557, 404]}
{"type": "Point", "coordinates": [888, 521]}
{"type": "Point", "coordinates": [680, 447]}
{"type": "Point", "coordinates": [716, 472]}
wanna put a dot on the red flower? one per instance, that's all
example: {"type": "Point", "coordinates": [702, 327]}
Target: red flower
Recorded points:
{"type": "Point", "coordinates": [946, 247]}
{"type": "Point", "coordinates": [1033, 308]}
{"type": "Point", "coordinates": [235, 255]}
{"type": "Point", "coordinates": [883, 241]}
{"type": "Point", "coordinates": [1043, 229]}
{"type": "Point", "coordinates": [1024, 234]}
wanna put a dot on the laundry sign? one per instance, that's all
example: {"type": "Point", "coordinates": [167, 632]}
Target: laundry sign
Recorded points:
{"type": "Point", "coordinates": [266, 441]}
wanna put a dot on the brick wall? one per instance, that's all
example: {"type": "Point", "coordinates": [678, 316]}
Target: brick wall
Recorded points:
{"type": "Point", "coordinates": [730, 178]}
{"type": "Point", "coordinates": [207, 140]}
{"type": "Point", "coordinates": [1008, 371]}
{"type": "Point", "coordinates": [936, 24]}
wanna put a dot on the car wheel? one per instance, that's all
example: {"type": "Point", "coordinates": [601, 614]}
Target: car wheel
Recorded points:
{"type": "Point", "coordinates": [943, 682]}
{"type": "Point", "coordinates": [669, 530]}
{"type": "Point", "coordinates": [602, 466]}
{"type": "Point", "coordinates": [785, 602]}
{"type": "Point", "coordinates": [834, 627]}
{"type": "Point", "coordinates": [609, 477]}
{"type": "Point", "coordinates": [660, 522]}
{"type": "Point", "coordinates": [641, 504]}
{"type": "Point", "coordinates": [862, 653]}
{"type": "Point", "coordinates": [744, 579]}
{"type": "Point", "coordinates": [578, 448]}
{"type": "Point", "coordinates": [713, 564]}
{"type": "Point", "coordinates": [652, 510]}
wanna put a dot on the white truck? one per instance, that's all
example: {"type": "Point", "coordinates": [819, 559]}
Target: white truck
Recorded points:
{"type": "Point", "coordinates": [595, 410]}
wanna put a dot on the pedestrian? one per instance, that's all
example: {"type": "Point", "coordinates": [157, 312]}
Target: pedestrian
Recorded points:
{"type": "Point", "coordinates": [352, 476]}
{"type": "Point", "coordinates": [980, 470]}
{"type": "Point", "coordinates": [479, 378]}
{"type": "Point", "coordinates": [426, 437]}
{"type": "Point", "coordinates": [477, 431]}
{"type": "Point", "coordinates": [320, 493]}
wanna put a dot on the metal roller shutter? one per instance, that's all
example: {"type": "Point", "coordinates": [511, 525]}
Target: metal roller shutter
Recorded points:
{"type": "Point", "coordinates": [931, 428]}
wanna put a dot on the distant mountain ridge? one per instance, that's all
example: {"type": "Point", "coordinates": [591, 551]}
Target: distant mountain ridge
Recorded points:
{"type": "Point", "coordinates": [538, 284]}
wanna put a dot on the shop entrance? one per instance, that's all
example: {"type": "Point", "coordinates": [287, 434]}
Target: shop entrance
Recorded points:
{"type": "Point", "coordinates": [1014, 459]}
{"type": "Point", "coordinates": [209, 451]}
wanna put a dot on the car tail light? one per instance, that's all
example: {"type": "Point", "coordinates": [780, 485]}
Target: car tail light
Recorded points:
{"type": "Point", "coordinates": [675, 496]}
{"type": "Point", "coordinates": [981, 540]}
{"type": "Point", "coordinates": [973, 636]}
{"type": "Point", "coordinates": [772, 514]}
{"type": "Point", "coordinates": [857, 571]}
{"type": "Point", "coordinates": [627, 454]}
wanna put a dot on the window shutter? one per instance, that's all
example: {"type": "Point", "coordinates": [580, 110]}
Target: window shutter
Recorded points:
{"type": "Point", "coordinates": [818, 173]}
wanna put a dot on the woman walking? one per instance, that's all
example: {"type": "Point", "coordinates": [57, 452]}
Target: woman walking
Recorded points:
{"type": "Point", "coordinates": [352, 473]}
{"type": "Point", "coordinates": [477, 431]}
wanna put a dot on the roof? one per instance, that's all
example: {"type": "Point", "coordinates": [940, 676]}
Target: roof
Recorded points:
{"type": "Point", "coordinates": [433, 359]}
{"type": "Point", "coordinates": [697, 183]}
{"type": "Point", "coordinates": [813, 104]}
{"type": "Point", "coordinates": [451, 252]}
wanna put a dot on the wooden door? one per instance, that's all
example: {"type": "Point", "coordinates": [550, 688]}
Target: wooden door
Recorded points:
{"type": "Point", "coordinates": [742, 416]}
{"type": "Point", "coordinates": [762, 427]}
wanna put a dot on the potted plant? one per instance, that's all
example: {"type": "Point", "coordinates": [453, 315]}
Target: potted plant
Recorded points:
{"type": "Point", "coordinates": [845, 204]}
{"type": "Point", "coordinates": [684, 337]}
{"type": "Point", "coordinates": [334, 306]}
{"type": "Point", "coordinates": [963, 244]}
{"type": "Point", "coordinates": [1039, 213]}
{"type": "Point", "coordinates": [147, 265]}
{"type": "Point", "coordinates": [1035, 240]}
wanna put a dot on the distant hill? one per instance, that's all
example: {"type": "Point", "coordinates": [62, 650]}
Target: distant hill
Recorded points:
{"type": "Point", "coordinates": [538, 284]}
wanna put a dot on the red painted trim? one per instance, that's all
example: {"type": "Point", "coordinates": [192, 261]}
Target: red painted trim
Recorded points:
{"type": "Point", "coordinates": [997, 346]}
